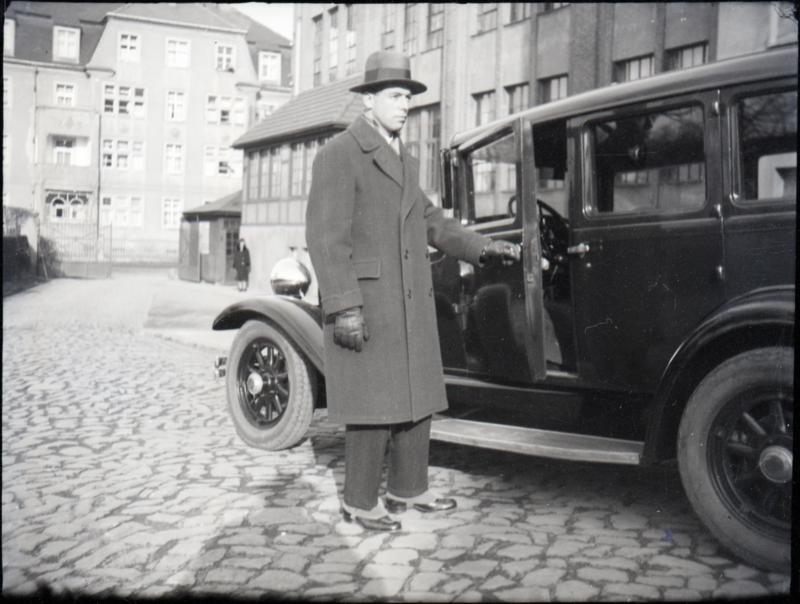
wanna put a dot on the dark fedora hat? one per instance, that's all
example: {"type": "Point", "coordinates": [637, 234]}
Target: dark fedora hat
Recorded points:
{"type": "Point", "coordinates": [385, 68]}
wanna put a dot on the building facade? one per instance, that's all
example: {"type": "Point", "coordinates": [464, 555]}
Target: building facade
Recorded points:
{"type": "Point", "coordinates": [483, 61]}
{"type": "Point", "coordinates": [124, 114]}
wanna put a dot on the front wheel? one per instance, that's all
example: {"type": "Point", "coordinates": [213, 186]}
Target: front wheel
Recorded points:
{"type": "Point", "coordinates": [735, 454]}
{"type": "Point", "coordinates": [269, 388]}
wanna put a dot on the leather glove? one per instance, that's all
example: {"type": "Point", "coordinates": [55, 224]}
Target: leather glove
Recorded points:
{"type": "Point", "coordinates": [350, 329]}
{"type": "Point", "coordinates": [508, 252]}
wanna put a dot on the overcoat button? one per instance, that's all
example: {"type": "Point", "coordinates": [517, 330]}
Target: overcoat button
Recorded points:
{"type": "Point", "coordinates": [406, 255]}
{"type": "Point", "coordinates": [409, 294]}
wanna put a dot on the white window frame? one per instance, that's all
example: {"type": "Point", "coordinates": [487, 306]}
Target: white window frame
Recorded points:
{"type": "Point", "coordinates": [676, 56]}
{"type": "Point", "coordinates": [176, 106]}
{"type": "Point", "coordinates": [174, 158]}
{"type": "Point", "coordinates": [236, 108]}
{"type": "Point", "coordinates": [58, 31]}
{"type": "Point", "coordinates": [6, 92]}
{"type": "Point", "coordinates": [175, 211]}
{"type": "Point", "coordinates": [122, 210]}
{"type": "Point", "coordinates": [176, 59]}
{"type": "Point", "coordinates": [135, 108]}
{"type": "Point", "coordinates": [626, 66]}
{"type": "Point", "coordinates": [547, 85]}
{"type": "Point", "coordinates": [67, 151]}
{"type": "Point", "coordinates": [231, 60]}
{"type": "Point", "coordinates": [264, 57]}
{"type": "Point", "coordinates": [113, 149]}
{"type": "Point", "coordinates": [133, 51]}
{"type": "Point", "coordinates": [9, 39]}
{"type": "Point", "coordinates": [215, 158]}
{"type": "Point", "coordinates": [70, 97]}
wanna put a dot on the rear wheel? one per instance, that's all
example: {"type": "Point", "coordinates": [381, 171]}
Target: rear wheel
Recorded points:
{"type": "Point", "coordinates": [270, 395]}
{"type": "Point", "coordinates": [735, 454]}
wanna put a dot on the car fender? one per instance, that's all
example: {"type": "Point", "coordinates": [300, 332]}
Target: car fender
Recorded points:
{"type": "Point", "coordinates": [299, 320]}
{"type": "Point", "coordinates": [762, 317]}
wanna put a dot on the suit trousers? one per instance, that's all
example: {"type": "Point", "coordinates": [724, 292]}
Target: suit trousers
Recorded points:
{"type": "Point", "coordinates": [364, 452]}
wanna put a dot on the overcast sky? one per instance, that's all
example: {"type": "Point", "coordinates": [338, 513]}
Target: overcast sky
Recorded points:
{"type": "Point", "coordinates": [275, 15]}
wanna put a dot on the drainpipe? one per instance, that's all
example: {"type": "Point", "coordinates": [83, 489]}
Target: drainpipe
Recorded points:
{"type": "Point", "coordinates": [99, 173]}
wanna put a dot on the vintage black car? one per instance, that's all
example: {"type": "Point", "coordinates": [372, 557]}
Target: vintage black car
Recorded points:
{"type": "Point", "coordinates": [652, 317]}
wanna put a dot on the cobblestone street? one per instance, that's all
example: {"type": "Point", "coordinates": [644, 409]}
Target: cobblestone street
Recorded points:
{"type": "Point", "coordinates": [122, 474]}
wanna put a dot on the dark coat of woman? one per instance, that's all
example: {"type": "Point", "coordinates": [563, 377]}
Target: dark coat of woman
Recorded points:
{"type": "Point", "coordinates": [241, 262]}
{"type": "Point", "coordinates": [368, 227]}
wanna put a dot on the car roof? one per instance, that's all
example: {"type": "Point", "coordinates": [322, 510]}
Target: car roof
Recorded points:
{"type": "Point", "coordinates": [738, 70]}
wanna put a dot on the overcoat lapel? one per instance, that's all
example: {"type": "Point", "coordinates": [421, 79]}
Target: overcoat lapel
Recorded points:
{"type": "Point", "coordinates": [369, 140]}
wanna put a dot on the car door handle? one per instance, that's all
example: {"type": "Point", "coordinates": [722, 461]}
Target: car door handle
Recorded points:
{"type": "Point", "coordinates": [579, 249]}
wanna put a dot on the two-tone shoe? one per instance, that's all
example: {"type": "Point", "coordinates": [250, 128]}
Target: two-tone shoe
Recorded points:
{"type": "Point", "coordinates": [384, 523]}
{"type": "Point", "coordinates": [441, 504]}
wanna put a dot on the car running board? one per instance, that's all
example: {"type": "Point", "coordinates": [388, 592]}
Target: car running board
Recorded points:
{"type": "Point", "coordinates": [541, 443]}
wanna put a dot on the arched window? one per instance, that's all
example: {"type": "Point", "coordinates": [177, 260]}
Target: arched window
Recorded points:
{"type": "Point", "coordinates": [57, 207]}
{"type": "Point", "coordinates": [76, 210]}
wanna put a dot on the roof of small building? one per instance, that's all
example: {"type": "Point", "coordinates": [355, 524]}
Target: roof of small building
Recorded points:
{"type": "Point", "coordinates": [195, 15]}
{"type": "Point", "coordinates": [329, 106]}
{"type": "Point", "coordinates": [230, 205]}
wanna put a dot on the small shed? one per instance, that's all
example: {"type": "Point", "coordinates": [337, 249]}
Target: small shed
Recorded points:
{"type": "Point", "coordinates": [208, 239]}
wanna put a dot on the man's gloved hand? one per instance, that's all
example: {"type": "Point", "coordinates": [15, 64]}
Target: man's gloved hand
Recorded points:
{"type": "Point", "coordinates": [508, 252]}
{"type": "Point", "coordinates": [350, 329]}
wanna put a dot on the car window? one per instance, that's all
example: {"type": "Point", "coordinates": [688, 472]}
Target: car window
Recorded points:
{"type": "Point", "coordinates": [649, 163]}
{"type": "Point", "coordinates": [494, 179]}
{"type": "Point", "coordinates": [767, 130]}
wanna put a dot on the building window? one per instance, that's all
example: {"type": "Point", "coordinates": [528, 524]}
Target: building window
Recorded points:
{"type": "Point", "coordinates": [173, 158]}
{"type": "Point", "coordinates": [333, 44]}
{"type": "Point", "coordinates": [9, 29]}
{"type": "Point", "coordinates": [317, 50]}
{"type": "Point", "coordinates": [387, 26]}
{"type": "Point", "coordinates": [65, 95]}
{"type": "Point", "coordinates": [519, 11]}
{"type": "Point", "coordinates": [221, 161]}
{"type": "Point", "coordinates": [410, 29]}
{"type": "Point", "coordinates": [484, 107]}
{"type": "Point", "coordinates": [551, 6]}
{"type": "Point", "coordinates": [252, 175]}
{"type": "Point", "coordinates": [176, 106]}
{"type": "Point", "coordinates": [422, 140]}
{"type": "Point", "coordinates": [171, 209]}
{"type": "Point", "coordinates": [435, 25]}
{"type": "Point", "coordinates": [62, 150]}
{"type": "Point", "coordinates": [177, 53]}
{"type": "Point", "coordinates": [225, 110]}
{"type": "Point", "coordinates": [123, 154]}
{"type": "Point", "coordinates": [66, 206]}
{"type": "Point", "coordinates": [129, 49]}
{"type": "Point", "coordinates": [269, 67]}
{"type": "Point", "coordinates": [351, 40]}
{"type": "Point", "coordinates": [518, 97]}
{"type": "Point", "coordinates": [122, 210]}
{"type": "Point", "coordinates": [124, 100]}
{"type": "Point", "coordinates": [633, 69]}
{"type": "Point", "coordinates": [688, 56]}
{"type": "Point", "coordinates": [275, 173]}
{"type": "Point", "coordinates": [552, 89]}
{"type": "Point", "coordinates": [66, 43]}
{"type": "Point", "coordinates": [224, 58]}
{"type": "Point", "coordinates": [311, 148]}
{"type": "Point", "coordinates": [297, 171]}
{"type": "Point", "coordinates": [6, 92]}
{"type": "Point", "coordinates": [487, 16]}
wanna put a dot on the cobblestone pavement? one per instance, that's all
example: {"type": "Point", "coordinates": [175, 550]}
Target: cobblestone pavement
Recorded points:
{"type": "Point", "coordinates": [122, 475]}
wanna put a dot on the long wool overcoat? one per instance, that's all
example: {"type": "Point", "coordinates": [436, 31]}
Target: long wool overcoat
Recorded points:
{"type": "Point", "coordinates": [368, 226]}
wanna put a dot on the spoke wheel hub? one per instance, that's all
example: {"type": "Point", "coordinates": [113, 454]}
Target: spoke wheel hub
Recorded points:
{"type": "Point", "coordinates": [775, 463]}
{"type": "Point", "coordinates": [255, 383]}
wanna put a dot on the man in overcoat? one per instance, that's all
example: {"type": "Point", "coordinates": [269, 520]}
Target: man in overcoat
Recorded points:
{"type": "Point", "coordinates": [368, 227]}
{"type": "Point", "coordinates": [241, 262]}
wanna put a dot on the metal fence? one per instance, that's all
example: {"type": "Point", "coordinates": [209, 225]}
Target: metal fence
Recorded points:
{"type": "Point", "coordinates": [75, 249]}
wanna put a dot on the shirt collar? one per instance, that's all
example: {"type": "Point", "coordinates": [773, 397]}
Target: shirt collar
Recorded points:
{"type": "Point", "coordinates": [391, 138]}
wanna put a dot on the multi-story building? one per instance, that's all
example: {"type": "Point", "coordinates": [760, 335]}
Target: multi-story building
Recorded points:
{"type": "Point", "coordinates": [480, 61]}
{"type": "Point", "coordinates": [124, 114]}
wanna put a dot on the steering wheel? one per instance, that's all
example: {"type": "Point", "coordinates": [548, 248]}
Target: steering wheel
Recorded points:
{"type": "Point", "coordinates": [553, 233]}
